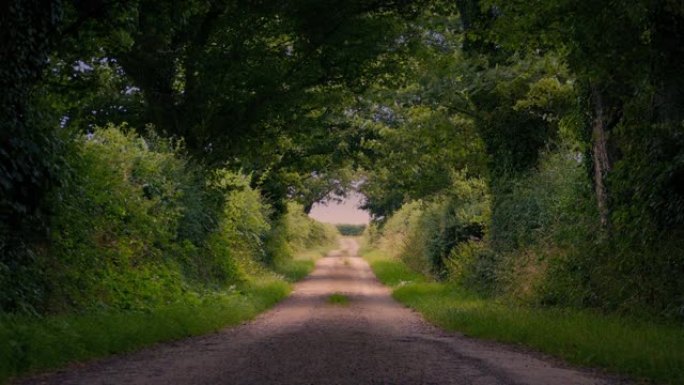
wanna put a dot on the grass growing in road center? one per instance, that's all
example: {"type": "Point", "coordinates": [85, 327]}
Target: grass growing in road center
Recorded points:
{"type": "Point", "coordinates": [338, 299]}
{"type": "Point", "coordinates": [638, 348]}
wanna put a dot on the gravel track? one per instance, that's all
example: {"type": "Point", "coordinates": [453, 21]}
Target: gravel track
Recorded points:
{"type": "Point", "coordinates": [306, 340]}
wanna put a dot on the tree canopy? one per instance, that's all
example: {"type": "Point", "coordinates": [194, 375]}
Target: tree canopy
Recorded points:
{"type": "Point", "coordinates": [472, 106]}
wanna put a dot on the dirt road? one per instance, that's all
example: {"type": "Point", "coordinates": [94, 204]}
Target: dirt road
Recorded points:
{"type": "Point", "coordinates": [306, 340]}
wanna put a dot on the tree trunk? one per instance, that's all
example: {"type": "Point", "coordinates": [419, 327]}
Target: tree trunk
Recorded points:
{"type": "Point", "coordinates": [599, 154]}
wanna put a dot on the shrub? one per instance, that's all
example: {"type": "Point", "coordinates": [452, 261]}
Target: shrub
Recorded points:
{"type": "Point", "coordinates": [136, 224]}
{"type": "Point", "coordinates": [112, 224]}
{"type": "Point", "coordinates": [295, 232]}
{"type": "Point", "coordinates": [423, 234]}
{"type": "Point", "coordinates": [537, 240]}
{"type": "Point", "coordinates": [351, 230]}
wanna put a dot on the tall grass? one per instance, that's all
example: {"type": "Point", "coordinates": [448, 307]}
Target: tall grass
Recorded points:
{"type": "Point", "coordinates": [390, 271]}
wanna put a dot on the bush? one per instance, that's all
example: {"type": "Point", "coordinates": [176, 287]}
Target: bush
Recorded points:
{"type": "Point", "coordinates": [295, 232]}
{"type": "Point", "coordinates": [537, 240]}
{"type": "Point", "coordinates": [112, 223]}
{"type": "Point", "coordinates": [423, 234]}
{"type": "Point", "coordinates": [138, 225]}
{"type": "Point", "coordinates": [147, 246]}
{"type": "Point", "coordinates": [296, 241]}
{"type": "Point", "coordinates": [351, 230]}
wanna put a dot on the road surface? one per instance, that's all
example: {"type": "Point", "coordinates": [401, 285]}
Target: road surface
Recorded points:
{"type": "Point", "coordinates": [306, 340]}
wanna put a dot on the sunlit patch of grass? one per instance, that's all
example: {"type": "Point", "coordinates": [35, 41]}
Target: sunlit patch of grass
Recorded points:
{"type": "Point", "coordinates": [392, 272]}
{"type": "Point", "coordinates": [338, 299]}
{"type": "Point", "coordinates": [637, 348]}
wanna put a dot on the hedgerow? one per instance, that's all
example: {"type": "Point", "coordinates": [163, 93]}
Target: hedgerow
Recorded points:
{"type": "Point", "coordinates": [136, 224]}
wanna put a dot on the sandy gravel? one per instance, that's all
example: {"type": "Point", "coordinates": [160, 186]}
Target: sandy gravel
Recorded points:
{"type": "Point", "coordinates": [305, 340]}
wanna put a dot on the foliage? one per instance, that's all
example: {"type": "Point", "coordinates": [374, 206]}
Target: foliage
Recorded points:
{"type": "Point", "coordinates": [168, 64]}
{"type": "Point", "coordinates": [351, 230]}
{"type": "Point", "coordinates": [539, 244]}
{"type": "Point", "coordinates": [137, 225]}
{"type": "Point", "coordinates": [423, 234]}
{"type": "Point", "coordinates": [144, 239]}
{"type": "Point", "coordinates": [304, 232]}
{"type": "Point", "coordinates": [274, 114]}
{"type": "Point", "coordinates": [570, 125]}
{"type": "Point", "coordinates": [30, 151]}
{"type": "Point", "coordinates": [531, 151]}
{"type": "Point", "coordinates": [296, 241]}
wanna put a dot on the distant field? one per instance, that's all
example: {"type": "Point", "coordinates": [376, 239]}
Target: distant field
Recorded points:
{"type": "Point", "coordinates": [351, 230]}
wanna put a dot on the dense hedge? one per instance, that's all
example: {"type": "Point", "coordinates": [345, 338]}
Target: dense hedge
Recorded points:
{"type": "Point", "coordinates": [351, 230]}
{"type": "Point", "coordinates": [136, 224]}
{"type": "Point", "coordinates": [534, 238]}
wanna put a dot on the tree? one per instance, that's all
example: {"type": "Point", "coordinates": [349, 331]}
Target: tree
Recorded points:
{"type": "Point", "coordinates": [627, 64]}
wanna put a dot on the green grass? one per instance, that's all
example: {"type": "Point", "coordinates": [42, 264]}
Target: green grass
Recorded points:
{"type": "Point", "coordinates": [295, 269]}
{"type": "Point", "coordinates": [391, 272]}
{"type": "Point", "coordinates": [34, 344]}
{"type": "Point", "coordinates": [350, 230]}
{"type": "Point", "coordinates": [338, 299]}
{"type": "Point", "coordinates": [641, 349]}
{"type": "Point", "coordinates": [302, 264]}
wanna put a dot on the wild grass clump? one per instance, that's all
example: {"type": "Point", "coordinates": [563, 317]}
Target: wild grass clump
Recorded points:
{"type": "Point", "coordinates": [390, 271]}
{"type": "Point", "coordinates": [338, 299]}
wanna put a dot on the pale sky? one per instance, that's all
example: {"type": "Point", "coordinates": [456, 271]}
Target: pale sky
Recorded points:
{"type": "Point", "coordinates": [346, 212]}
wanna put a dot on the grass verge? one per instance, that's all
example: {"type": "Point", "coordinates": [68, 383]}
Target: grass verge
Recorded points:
{"type": "Point", "coordinates": [31, 344]}
{"type": "Point", "coordinates": [391, 272]}
{"type": "Point", "coordinates": [34, 344]}
{"type": "Point", "coordinates": [641, 349]}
